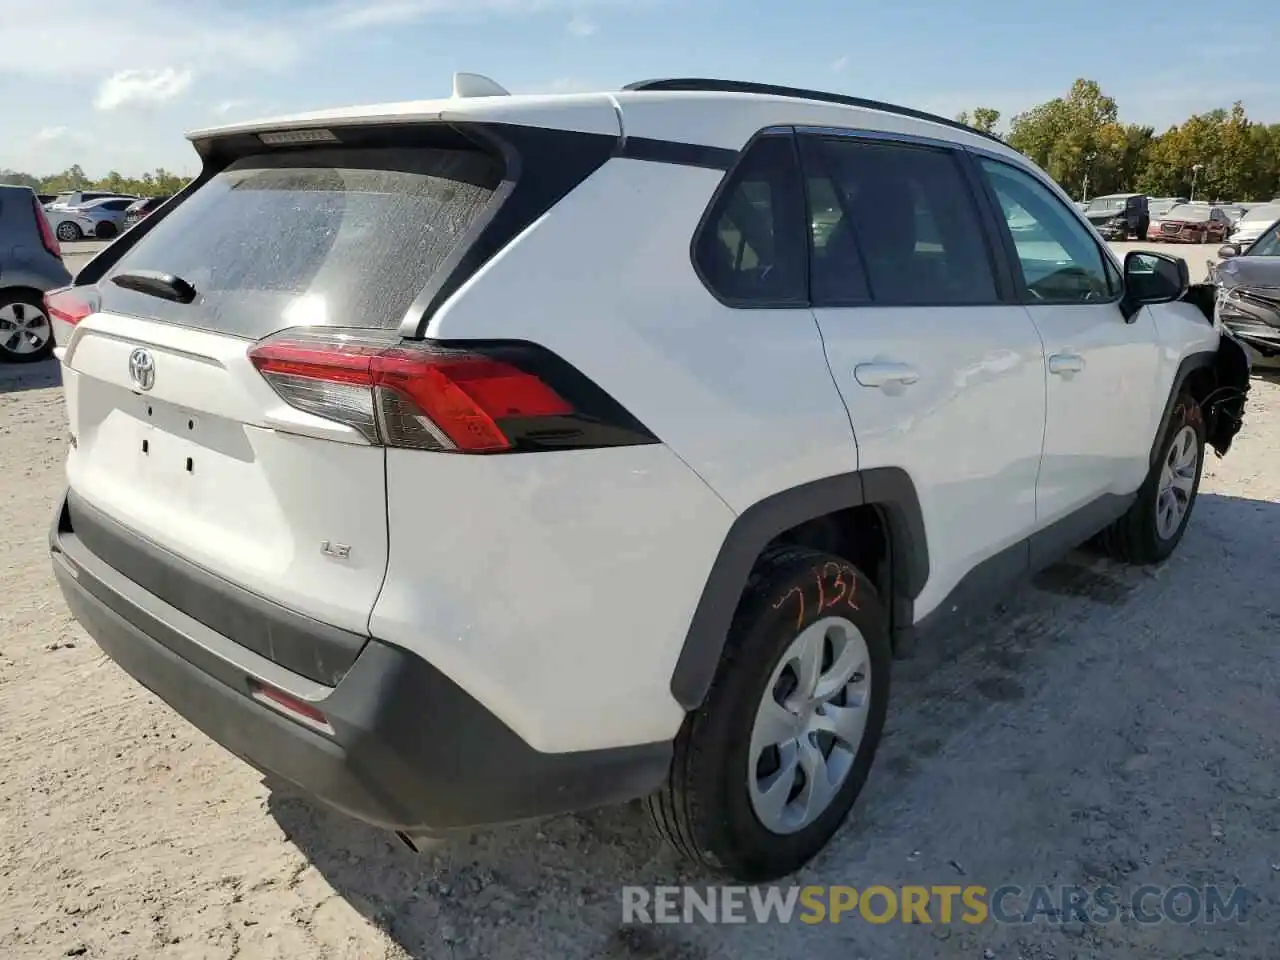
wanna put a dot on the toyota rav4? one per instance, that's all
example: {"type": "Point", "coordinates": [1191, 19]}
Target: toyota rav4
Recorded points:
{"type": "Point", "coordinates": [474, 460]}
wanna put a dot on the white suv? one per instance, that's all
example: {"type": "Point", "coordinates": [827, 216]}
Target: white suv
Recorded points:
{"type": "Point", "coordinates": [473, 460]}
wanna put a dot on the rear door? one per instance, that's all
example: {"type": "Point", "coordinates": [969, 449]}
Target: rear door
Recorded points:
{"type": "Point", "coordinates": [941, 378]}
{"type": "Point", "coordinates": [178, 437]}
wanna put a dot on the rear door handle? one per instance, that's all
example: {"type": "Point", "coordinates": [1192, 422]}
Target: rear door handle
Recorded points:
{"type": "Point", "coordinates": [885, 374]}
{"type": "Point", "coordinates": [1065, 364]}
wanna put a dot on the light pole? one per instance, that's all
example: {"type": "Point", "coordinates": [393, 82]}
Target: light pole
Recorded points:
{"type": "Point", "coordinates": [1088, 161]}
{"type": "Point", "coordinates": [1195, 173]}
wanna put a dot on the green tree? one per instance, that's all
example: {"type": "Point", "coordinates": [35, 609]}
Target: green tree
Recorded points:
{"type": "Point", "coordinates": [982, 118]}
{"type": "Point", "coordinates": [20, 179]}
{"type": "Point", "coordinates": [1075, 137]}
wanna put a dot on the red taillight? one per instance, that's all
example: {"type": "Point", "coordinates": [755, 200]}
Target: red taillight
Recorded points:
{"type": "Point", "coordinates": [47, 238]}
{"type": "Point", "coordinates": [71, 304]}
{"type": "Point", "coordinates": [421, 396]}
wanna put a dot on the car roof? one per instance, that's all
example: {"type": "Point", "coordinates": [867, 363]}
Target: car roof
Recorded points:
{"type": "Point", "coordinates": [717, 113]}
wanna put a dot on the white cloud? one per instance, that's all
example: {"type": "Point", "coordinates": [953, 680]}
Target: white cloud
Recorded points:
{"type": "Point", "coordinates": [49, 134]}
{"type": "Point", "coordinates": [838, 65]}
{"type": "Point", "coordinates": [141, 86]}
{"type": "Point", "coordinates": [149, 34]}
{"type": "Point", "coordinates": [580, 26]}
{"type": "Point", "coordinates": [231, 106]}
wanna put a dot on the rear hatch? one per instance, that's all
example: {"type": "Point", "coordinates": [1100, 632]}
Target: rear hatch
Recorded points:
{"type": "Point", "coordinates": [181, 443]}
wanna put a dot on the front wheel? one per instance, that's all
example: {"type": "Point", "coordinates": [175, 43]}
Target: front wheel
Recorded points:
{"type": "Point", "coordinates": [766, 770]}
{"type": "Point", "coordinates": [1156, 521]}
{"type": "Point", "coordinates": [69, 232]}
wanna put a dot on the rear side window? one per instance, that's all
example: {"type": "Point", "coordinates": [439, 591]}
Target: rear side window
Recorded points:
{"type": "Point", "coordinates": [751, 249]}
{"type": "Point", "coordinates": [340, 237]}
{"type": "Point", "coordinates": [905, 229]}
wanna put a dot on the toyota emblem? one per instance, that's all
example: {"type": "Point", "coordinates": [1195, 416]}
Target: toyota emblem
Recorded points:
{"type": "Point", "coordinates": [142, 369]}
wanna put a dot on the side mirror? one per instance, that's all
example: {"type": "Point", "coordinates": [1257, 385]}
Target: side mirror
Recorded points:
{"type": "Point", "coordinates": [1228, 250]}
{"type": "Point", "coordinates": [1152, 278]}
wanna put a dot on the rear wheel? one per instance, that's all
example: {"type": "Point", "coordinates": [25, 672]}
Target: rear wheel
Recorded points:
{"type": "Point", "coordinates": [25, 332]}
{"type": "Point", "coordinates": [766, 770]}
{"type": "Point", "coordinates": [105, 230]}
{"type": "Point", "coordinates": [1155, 523]}
{"type": "Point", "coordinates": [69, 232]}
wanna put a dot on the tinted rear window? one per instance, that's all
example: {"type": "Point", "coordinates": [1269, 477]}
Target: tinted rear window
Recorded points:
{"type": "Point", "coordinates": [340, 237]}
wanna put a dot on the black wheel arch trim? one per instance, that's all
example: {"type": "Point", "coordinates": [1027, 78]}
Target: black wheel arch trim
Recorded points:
{"type": "Point", "coordinates": [888, 488]}
{"type": "Point", "coordinates": [1201, 360]}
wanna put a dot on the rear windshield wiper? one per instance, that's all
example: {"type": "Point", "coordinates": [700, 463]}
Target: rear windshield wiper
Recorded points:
{"type": "Point", "coordinates": [166, 286]}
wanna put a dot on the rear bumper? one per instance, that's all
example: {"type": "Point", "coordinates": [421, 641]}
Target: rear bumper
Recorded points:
{"type": "Point", "coordinates": [409, 751]}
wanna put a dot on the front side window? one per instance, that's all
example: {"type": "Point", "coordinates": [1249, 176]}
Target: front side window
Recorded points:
{"type": "Point", "coordinates": [893, 224]}
{"type": "Point", "coordinates": [750, 251]}
{"type": "Point", "coordinates": [1058, 258]}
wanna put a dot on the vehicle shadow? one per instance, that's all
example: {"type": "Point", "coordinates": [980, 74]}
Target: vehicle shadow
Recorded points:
{"type": "Point", "coordinates": [554, 888]}
{"type": "Point", "coordinates": [15, 377]}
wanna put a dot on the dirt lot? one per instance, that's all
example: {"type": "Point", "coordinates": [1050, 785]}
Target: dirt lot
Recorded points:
{"type": "Point", "coordinates": [1109, 725]}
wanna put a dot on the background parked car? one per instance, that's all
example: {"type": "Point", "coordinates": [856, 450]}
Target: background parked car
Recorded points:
{"type": "Point", "coordinates": [30, 265]}
{"type": "Point", "coordinates": [1157, 207]}
{"type": "Point", "coordinates": [102, 219]}
{"type": "Point", "coordinates": [1120, 215]}
{"type": "Point", "coordinates": [1248, 301]}
{"type": "Point", "coordinates": [1233, 211]}
{"type": "Point", "coordinates": [76, 198]}
{"type": "Point", "coordinates": [1193, 223]}
{"type": "Point", "coordinates": [140, 209]}
{"type": "Point", "coordinates": [1254, 223]}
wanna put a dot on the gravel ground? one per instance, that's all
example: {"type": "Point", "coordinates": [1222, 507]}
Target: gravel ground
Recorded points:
{"type": "Point", "coordinates": [1108, 725]}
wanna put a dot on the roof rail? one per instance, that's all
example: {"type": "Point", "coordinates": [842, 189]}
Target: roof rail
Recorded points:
{"type": "Point", "coordinates": [768, 89]}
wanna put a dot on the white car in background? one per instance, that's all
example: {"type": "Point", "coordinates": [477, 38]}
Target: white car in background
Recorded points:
{"type": "Point", "coordinates": [1254, 223]}
{"type": "Point", "coordinates": [102, 219]}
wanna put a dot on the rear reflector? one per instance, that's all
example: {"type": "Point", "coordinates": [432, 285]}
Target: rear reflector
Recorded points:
{"type": "Point", "coordinates": [425, 395]}
{"type": "Point", "coordinates": [297, 708]}
{"type": "Point", "coordinates": [71, 304]}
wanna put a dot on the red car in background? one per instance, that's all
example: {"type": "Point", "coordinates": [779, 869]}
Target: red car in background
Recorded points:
{"type": "Point", "coordinates": [141, 209]}
{"type": "Point", "coordinates": [1192, 223]}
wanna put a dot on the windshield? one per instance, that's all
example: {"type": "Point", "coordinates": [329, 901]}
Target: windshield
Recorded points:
{"type": "Point", "coordinates": [1103, 204]}
{"type": "Point", "coordinates": [1267, 245]}
{"type": "Point", "coordinates": [63, 198]}
{"type": "Point", "coordinates": [1262, 214]}
{"type": "Point", "coordinates": [339, 236]}
{"type": "Point", "coordinates": [1186, 211]}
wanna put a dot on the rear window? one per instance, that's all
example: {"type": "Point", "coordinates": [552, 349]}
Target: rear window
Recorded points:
{"type": "Point", "coordinates": [338, 237]}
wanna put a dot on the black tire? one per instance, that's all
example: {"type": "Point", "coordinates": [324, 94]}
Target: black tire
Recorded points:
{"type": "Point", "coordinates": [105, 230]}
{"type": "Point", "coordinates": [705, 809]}
{"type": "Point", "coordinates": [1135, 537]}
{"type": "Point", "coordinates": [69, 232]}
{"type": "Point", "coordinates": [21, 302]}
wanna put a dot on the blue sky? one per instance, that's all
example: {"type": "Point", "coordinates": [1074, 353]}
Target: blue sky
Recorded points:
{"type": "Point", "coordinates": [116, 83]}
